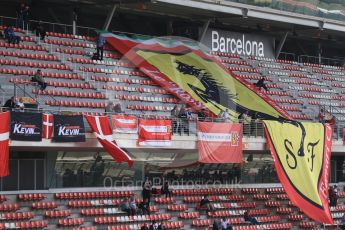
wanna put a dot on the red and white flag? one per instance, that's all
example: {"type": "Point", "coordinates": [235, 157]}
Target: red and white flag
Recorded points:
{"type": "Point", "coordinates": [101, 128]}
{"type": "Point", "coordinates": [47, 126]}
{"type": "Point", "coordinates": [4, 143]}
{"type": "Point", "coordinates": [155, 132]}
{"type": "Point", "coordinates": [125, 123]}
{"type": "Point", "coordinates": [219, 142]}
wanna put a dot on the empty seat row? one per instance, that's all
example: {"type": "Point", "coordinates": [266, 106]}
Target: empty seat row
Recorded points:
{"type": "Point", "coordinates": [165, 200]}
{"type": "Point", "coordinates": [99, 105]}
{"type": "Point", "coordinates": [34, 64]}
{"type": "Point", "coordinates": [137, 218]}
{"type": "Point", "coordinates": [71, 222]}
{"type": "Point", "coordinates": [70, 36]}
{"type": "Point", "coordinates": [241, 69]}
{"type": "Point", "coordinates": [177, 207]}
{"type": "Point", "coordinates": [226, 213]}
{"type": "Point", "coordinates": [108, 63]}
{"type": "Point", "coordinates": [46, 57]}
{"type": "Point", "coordinates": [31, 196]}
{"type": "Point", "coordinates": [90, 195]}
{"type": "Point", "coordinates": [149, 108]}
{"type": "Point", "coordinates": [23, 46]}
{"type": "Point", "coordinates": [57, 213]}
{"type": "Point", "coordinates": [44, 205]}
{"type": "Point", "coordinates": [210, 191]}
{"type": "Point", "coordinates": [9, 207]}
{"type": "Point", "coordinates": [44, 74]}
{"type": "Point", "coordinates": [124, 80]}
{"type": "Point", "coordinates": [189, 215]}
{"type": "Point", "coordinates": [135, 89]}
{"type": "Point", "coordinates": [143, 98]}
{"type": "Point", "coordinates": [222, 54]}
{"type": "Point", "coordinates": [250, 190]}
{"type": "Point", "coordinates": [26, 225]}
{"type": "Point", "coordinates": [90, 203]}
{"type": "Point", "coordinates": [62, 93]}
{"type": "Point", "coordinates": [16, 215]}
{"type": "Point", "coordinates": [111, 71]}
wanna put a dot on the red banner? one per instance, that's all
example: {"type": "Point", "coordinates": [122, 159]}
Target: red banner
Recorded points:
{"type": "Point", "coordinates": [101, 128]}
{"type": "Point", "coordinates": [219, 142]}
{"type": "Point", "coordinates": [155, 132]}
{"type": "Point", "coordinates": [4, 143]}
{"type": "Point", "coordinates": [124, 123]}
{"type": "Point", "coordinates": [47, 126]}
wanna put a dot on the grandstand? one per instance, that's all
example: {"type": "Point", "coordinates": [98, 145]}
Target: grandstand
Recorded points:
{"type": "Point", "coordinates": [52, 186]}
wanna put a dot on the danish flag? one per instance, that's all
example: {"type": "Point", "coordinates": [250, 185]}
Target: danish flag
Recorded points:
{"type": "Point", "coordinates": [4, 143]}
{"type": "Point", "coordinates": [47, 126]}
{"type": "Point", "coordinates": [101, 128]}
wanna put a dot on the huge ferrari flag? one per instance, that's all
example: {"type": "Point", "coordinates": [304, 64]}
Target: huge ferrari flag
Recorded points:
{"type": "Point", "coordinates": [4, 143]}
{"type": "Point", "coordinates": [101, 128]}
{"type": "Point", "coordinates": [301, 153]}
{"type": "Point", "coordinates": [219, 142]}
{"type": "Point", "coordinates": [200, 80]}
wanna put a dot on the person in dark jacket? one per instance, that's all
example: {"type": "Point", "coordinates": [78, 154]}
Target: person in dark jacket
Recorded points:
{"type": "Point", "coordinates": [165, 189]}
{"type": "Point", "coordinates": [261, 84]}
{"type": "Point", "coordinates": [10, 103]}
{"type": "Point", "coordinates": [39, 79]}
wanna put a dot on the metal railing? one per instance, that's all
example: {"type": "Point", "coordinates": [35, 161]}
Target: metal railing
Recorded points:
{"type": "Point", "coordinates": [52, 26]}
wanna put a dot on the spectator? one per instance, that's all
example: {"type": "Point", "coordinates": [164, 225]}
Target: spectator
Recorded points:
{"type": "Point", "coordinates": [161, 226]}
{"type": "Point", "coordinates": [117, 108]}
{"type": "Point", "coordinates": [100, 42]}
{"type": "Point", "coordinates": [174, 115]}
{"type": "Point", "coordinates": [145, 207]}
{"type": "Point", "coordinates": [165, 189]}
{"type": "Point", "coordinates": [249, 218]}
{"type": "Point", "coordinates": [25, 13]}
{"type": "Point", "coordinates": [342, 222]}
{"type": "Point", "coordinates": [11, 36]}
{"type": "Point", "coordinates": [224, 115]}
{"type": "Point", "coordinates": [147, 189]}
{"type": "Point", "coordinates": [19, 12]}
{"type": "Point", "coordinates": [154, 225]}
{"type": "Point", "coordinates": [261, 84]}
{"type": "Point", "coordinates": [97, 170]}
{"type": "Point", "coordinates": [144, 227]}
{"type": "Point", "coordinates": [133, 206]}
{"type": "Point", "coordinates": [10, 103]}
{"type": "Point", "coordinates": [183, 121]}
{"type": "Point", "coordinates": [201, 115]}
{"type": "Point", "coordinates": [216, 225]}
{"type": "Point", "coordinates": [40, 31]}
{"type": "Point", "coordinates": [20, 104]}
{"type": "Point", "coordinates": [206, 203]}
{"type": "Point", "coordinates": [333, 196]}
{"type": "Point", "coordinates": [246, 120]}
{"type": "Point", "coordinates": [39, 79]}
{"type": "Point", "coordinates": [110, 107]}
{"type": "Point", "coordinates": [124, 206]}
{"type": "Point", "coordinates": [225, 225]}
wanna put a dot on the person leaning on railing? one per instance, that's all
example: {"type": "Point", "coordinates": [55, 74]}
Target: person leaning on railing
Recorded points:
{"type": "Point", "coordinates": [39, 79]}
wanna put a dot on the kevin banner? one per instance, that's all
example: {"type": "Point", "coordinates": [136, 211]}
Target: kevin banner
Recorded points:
{"type": "Point", "coordinates": [219, 142]}
{"type": "Point", "coordinates": [26, 126]}
{"type": "Point", "coordinates": [69, 128]}
{"type": "Point", "coordinates": [197, 78]}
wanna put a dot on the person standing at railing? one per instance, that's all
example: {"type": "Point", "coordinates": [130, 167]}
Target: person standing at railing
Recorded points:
{"type": "Point", "coordinates": [100, 42]}
{"type": "Point", "coordinates": [20, 105]}
{"type": "Point", "coordinates": [26, 17]}
{"type": "Point", "coordinates": [245, 119]}
{"type": "Point", "coordinates": [19, 11]}
{"type": "Point", "coordinates": [10, 103]}
{"type": "Point", "coordinates": [174, 116]}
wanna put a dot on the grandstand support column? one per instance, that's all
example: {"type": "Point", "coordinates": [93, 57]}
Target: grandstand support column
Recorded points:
{"type": "Point", "coordinates": [281, 44]}
{"type": "Point", "coordinates": [109, 17]}
{"type": "Point", "coordinates": [204, 29]}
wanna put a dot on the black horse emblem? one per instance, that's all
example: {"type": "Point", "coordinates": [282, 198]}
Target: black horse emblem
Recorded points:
{"type": "Point", "coordinates": [216, 94]}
